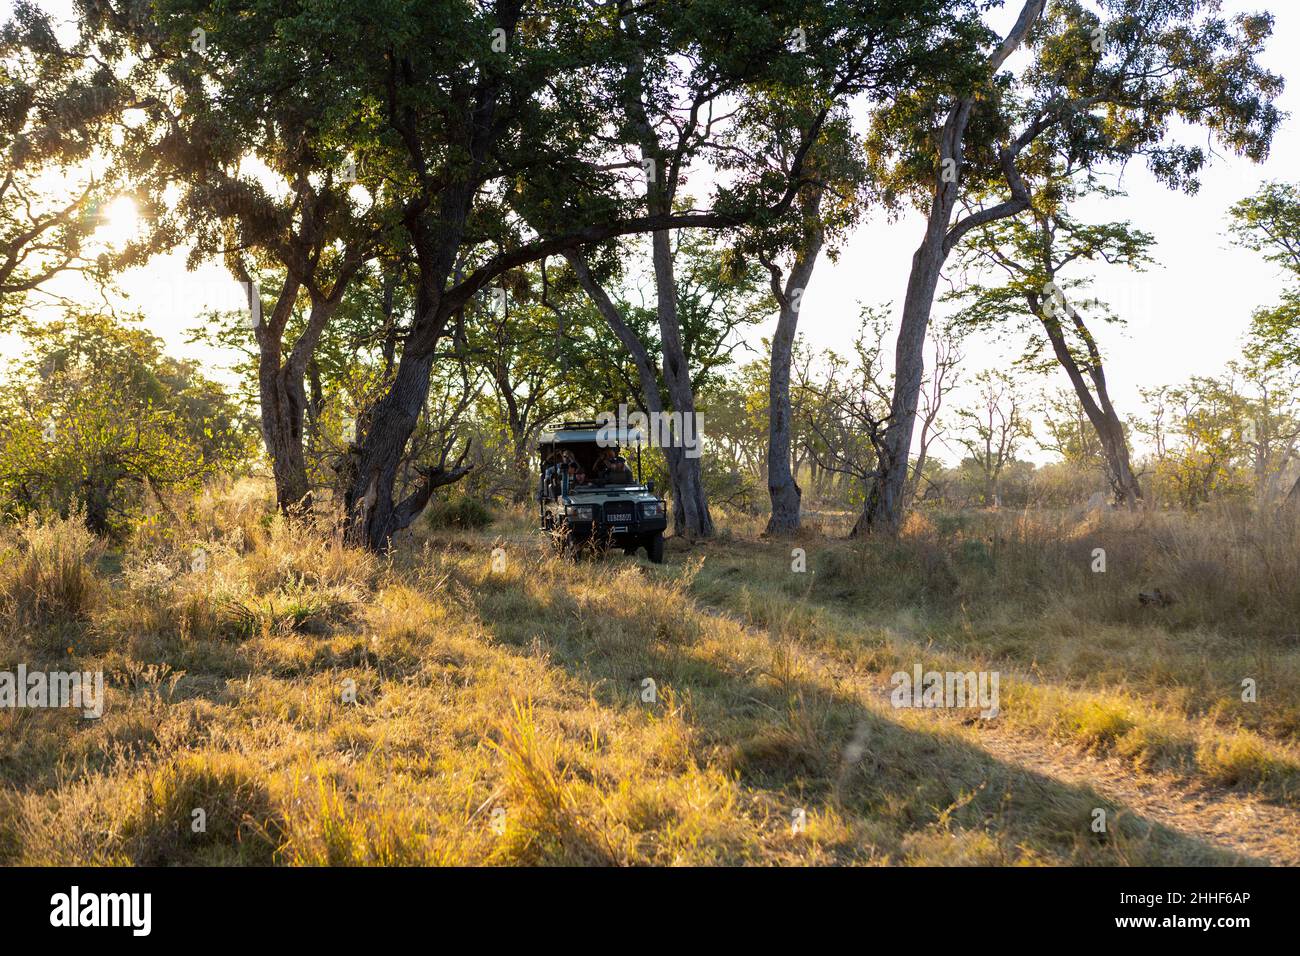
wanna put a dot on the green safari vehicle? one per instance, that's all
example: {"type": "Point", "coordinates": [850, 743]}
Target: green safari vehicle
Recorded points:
{"type": "Point", "coordinates": [588, 497]}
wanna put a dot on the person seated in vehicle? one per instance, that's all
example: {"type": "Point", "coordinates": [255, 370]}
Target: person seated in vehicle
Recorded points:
{"type": "Point", "coordinates": [619, 471]}
{"type": "Point", "coordinates": [603, 459]}
{"type": "Point", "coordinates": [576, 475]}
{"type": "Point", "coordinates": [551, 476]}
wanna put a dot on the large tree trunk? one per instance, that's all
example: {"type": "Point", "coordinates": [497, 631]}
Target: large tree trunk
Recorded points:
{"type": "Point", "coordinates": [782, 488]}
{"type": "Point", "coordinates": [281, 408]}
{"type": "Point", "coordinates": [99, 496]}
{"type": "Point", "coordinates": [374, 515]}
{"type": "Point", "coordinates": [691, 515]}
{"type": "Point", "coordinates": [886, 496]}
{"type": "Point", "coordinates": [883, 507]}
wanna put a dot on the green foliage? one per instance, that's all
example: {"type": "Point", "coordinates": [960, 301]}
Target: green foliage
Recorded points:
{"type": "Point", "coordinates": [1228, 437]}
{"type": "Point", "coordinates": [1269, 222]}
{"type": "Point", "coordinates": [96, 417]}
{"type": "Point", "coordinates": [1040, 257]}
{"type": "Point", "coordinates": [59, 103]}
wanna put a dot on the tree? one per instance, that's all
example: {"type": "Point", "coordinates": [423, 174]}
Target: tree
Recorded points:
{"type": "Point", "coordinates": [708, 304]}
{"type": "Point", "coordinates": [1202, 427]}
{"type": "Point", "coordinates": [1068, 432]}
{"type": "Point", "coordinates": [1099, 91]}
{"type": "Point", "coordinates": [96, 414]}
{"type": "Point", "coordinates": [883, 503]}
{"type": "Point", "coordinates": [1269, 222]}
{"type": "Point", "coordinates": [1272, 432]}
{"type": "Point", "coordinates": [945, 346]}
{"type": "Point", "coordinates": [1036, 253]}
{"type": "Point", "coordinates": [827, 207]}
{"type": "Point", "coordinates": [517, 342]}
{"type": "Point", "coordinates": [59, 105]}
{"type": "Point", "coordinates": [252, 138]}
{"type": "Point", "coordinates": [847, 410]}
{"type": "Point", "coordinates": [994, 428]}
{"type": "Point", "coordinates": [738, 419]}
{"type": "Point", "coordinates": [510, 129]}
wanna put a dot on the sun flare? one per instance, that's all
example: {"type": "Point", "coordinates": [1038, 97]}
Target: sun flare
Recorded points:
{"type": "Point", "coordinates": [120, 222]}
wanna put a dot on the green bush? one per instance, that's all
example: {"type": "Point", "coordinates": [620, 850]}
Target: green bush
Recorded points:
{"type": "Point", "coordinates": [463, 512]}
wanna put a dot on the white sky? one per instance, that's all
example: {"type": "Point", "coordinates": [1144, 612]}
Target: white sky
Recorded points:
{"type": "Point", "coordinates": [1187, 315]}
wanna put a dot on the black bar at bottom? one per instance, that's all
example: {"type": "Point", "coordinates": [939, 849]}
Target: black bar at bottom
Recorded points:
{"type": "Point", "coordinates": [341, 907]}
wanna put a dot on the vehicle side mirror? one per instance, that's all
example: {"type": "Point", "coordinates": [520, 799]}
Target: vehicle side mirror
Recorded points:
{"type": "Point", "coordinates": [650, 486]}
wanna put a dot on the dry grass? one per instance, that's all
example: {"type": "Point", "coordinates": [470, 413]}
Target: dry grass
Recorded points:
{"type": "Point", "coordinates": [46, 575]}
{"type": "Point", "coordinates": [1161, 686]}
{"type": "Point", "coordinates": [322, 706]}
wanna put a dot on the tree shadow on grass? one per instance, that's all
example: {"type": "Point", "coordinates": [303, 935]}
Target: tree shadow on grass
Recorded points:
{"type": "Point", "coordinates": [796, 739]}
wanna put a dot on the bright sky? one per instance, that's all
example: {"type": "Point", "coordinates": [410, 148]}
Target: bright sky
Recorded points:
{"type": "Point", "coordinates": [1186, 316]}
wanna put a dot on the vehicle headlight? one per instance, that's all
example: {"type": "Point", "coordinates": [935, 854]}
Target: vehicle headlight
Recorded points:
{"type": "Point", "coordinates": [578, 512]}
{"type": "Point", "coordinates": [652, 509]}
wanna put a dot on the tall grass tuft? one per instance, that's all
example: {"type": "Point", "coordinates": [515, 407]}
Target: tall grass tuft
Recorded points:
{"type": "Point", "coordinates": [47, 579]}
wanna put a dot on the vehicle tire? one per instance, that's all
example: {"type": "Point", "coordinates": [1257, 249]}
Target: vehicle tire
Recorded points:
{"type": "Point", "coordinates": [654, 547]}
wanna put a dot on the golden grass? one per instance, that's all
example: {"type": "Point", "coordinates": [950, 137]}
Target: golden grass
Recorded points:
{"type": "Point", "coordinates": [46, 575]}
{"type": "Point", "coordinates": [325, 707]}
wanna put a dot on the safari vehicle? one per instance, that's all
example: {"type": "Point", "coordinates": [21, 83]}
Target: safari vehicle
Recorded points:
{"type": "Point", "coordinates": [612, 509]}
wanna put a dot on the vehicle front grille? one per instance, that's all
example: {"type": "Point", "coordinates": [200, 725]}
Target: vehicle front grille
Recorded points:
{"type": "Point", "coordinates": [620, 512]}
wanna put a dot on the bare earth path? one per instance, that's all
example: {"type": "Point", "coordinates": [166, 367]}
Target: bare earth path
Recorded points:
{"type": "Point", "coordinates": [1232, 821]}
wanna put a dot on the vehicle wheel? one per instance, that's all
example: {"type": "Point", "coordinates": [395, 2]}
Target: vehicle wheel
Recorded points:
{"type": "Point", "coordinates": [655, 547]}
{"type": "Point", "coordinates": [561, 544]}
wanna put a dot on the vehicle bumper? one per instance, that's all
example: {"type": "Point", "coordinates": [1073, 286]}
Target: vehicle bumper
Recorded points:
{"type": "Point", "coordinates": [586, 530]}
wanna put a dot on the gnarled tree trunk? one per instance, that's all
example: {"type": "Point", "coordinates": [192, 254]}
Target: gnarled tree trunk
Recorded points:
{"type": "Point", "coordinates": [282, 392]}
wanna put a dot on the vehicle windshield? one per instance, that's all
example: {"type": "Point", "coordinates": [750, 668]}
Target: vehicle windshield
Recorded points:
{"type": "Point", "coordinates": [587, 465]}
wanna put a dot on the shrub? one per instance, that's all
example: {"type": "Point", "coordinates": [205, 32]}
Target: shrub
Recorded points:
{"type": "Point", "coordinates": [465, 513]}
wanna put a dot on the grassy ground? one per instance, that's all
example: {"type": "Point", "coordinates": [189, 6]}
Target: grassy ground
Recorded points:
{"type": "Point", "coordinates": [321, 705]}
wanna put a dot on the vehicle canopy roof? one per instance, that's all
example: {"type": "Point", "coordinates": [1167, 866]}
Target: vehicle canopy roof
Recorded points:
{"type": "Point", "coordinates": [590, 433]}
